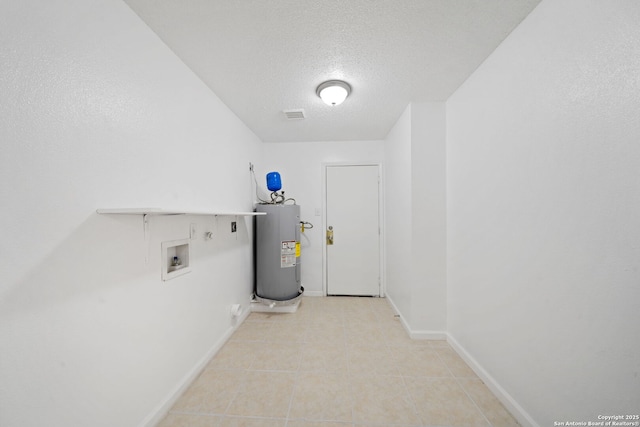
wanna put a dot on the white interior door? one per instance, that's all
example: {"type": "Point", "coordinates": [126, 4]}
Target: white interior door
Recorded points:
{"type": "Point", "coordinates": [352, 213]}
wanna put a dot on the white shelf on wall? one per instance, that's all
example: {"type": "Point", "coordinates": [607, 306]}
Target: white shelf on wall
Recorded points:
{"type": "Point", "coordinates": [149, 212]}
{"type": "Point", "coordinates": [162, 211]}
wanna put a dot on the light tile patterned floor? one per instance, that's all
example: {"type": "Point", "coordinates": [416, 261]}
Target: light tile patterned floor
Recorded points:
{"type": "Point", "coordinates": [336, 362]}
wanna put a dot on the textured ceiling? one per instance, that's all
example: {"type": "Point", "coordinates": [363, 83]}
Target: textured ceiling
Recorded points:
{"type": "Point", "coordinates": [265, 56]}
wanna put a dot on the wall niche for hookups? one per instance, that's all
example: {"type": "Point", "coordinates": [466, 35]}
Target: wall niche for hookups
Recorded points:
{"type": "Point", "coordinates": [175, 259]}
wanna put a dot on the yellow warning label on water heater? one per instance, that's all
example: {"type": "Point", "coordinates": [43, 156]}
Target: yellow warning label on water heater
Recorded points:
{"type": "Point", "coordinates": [297, 249]}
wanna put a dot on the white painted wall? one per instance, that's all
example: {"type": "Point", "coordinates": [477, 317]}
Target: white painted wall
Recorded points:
{"type": "Point", "coordinates": [95, 111]}
{"type": "Point", "coordinates": [415, 189]}
{"type": "Point", "coordinates": [543, 212]}
{"type": "Point", "coordinates": [300, 166]}
{"type": "Point", "coordinates": [398, 217]}
{"type": "Point", "coordinates": [429, 218]}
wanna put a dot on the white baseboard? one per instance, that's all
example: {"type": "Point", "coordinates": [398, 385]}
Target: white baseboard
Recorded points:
{"type": "Point", "coordinates": [163, 408]}
{"type": "Point", "coordinates": [413, 334]}
{"type": "Point", "coordinates": [505, 398]}
{"type": "Point", "coordinates": [313, 293]}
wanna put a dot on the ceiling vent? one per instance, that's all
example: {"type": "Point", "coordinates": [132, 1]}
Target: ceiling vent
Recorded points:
{"type": "Point", "coordinates": [294, 114]}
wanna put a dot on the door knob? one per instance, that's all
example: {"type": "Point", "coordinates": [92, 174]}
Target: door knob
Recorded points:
{"type": "Point", "coordinates": [330, 235]}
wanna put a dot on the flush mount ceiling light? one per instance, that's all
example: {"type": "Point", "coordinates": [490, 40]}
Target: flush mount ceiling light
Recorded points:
{"type": "Point", "coordinates": [333, 92]}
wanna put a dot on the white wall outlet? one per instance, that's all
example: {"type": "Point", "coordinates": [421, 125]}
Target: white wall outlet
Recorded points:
{"type": "Point", "coordinates": [193, 231]}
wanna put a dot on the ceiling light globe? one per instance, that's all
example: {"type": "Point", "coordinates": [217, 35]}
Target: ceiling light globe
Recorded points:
{"type": "Point", "coordinates": [333, 92]}
{"type": "Point", "coordinates": [333, 95]}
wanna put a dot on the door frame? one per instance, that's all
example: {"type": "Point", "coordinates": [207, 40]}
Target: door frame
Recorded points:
{"type": "Point", "coordinates": [381, 253]}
